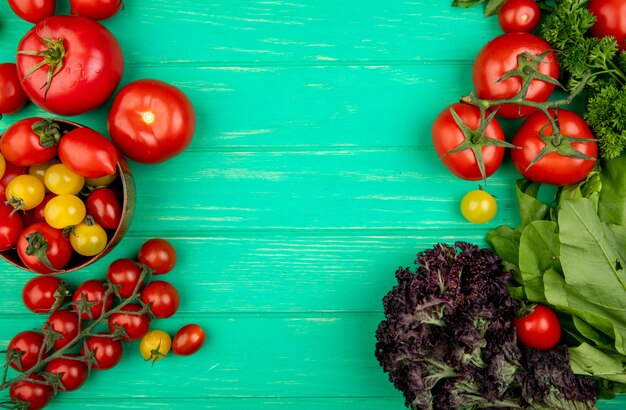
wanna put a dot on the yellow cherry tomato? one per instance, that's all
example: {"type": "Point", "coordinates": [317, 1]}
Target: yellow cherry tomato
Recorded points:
{"type": "Point", "coordinates": [478, 206]}
{"type": "Point", "coordinates": [61, 181]}
{"type": "Point", "coordinates": [3, 166]}
{"type": "Point", "coordinates": [155, 345]}
{"type": "Point", "coordinates": [102, 181]}
{"type": "Point", "coordinates": [39, 170]}
{"type": "Point", "coordinates": [88, 238]}
{"type": "Point", "coordinates": [25, 192]}
{"type": "Point", "coordinates": [64, 210]}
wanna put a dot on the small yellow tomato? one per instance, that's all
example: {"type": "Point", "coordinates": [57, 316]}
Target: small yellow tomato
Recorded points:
{"type": "Point", "coordinates": [478, 206]}
{"type": "Point", "coordinates": [3, 166]}
{"type": "Point", "coordinates": [39, 170]}
{"type": "Point", "coordinates": [61, 181]}
{"type": "Point", "coordinates": [155, 345]}
{"type": "Point", "coordinates": [88, 238]}
{"type": "Point", "coordinates": [24, 192]}
{"type": "Point", "coordinates": [64, 210]}
{"type": "Point", "coordinates": [102, 181]}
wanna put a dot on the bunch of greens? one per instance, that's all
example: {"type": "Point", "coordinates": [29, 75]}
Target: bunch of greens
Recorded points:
{"type": "Point", "coordinates": [571, 256]}
{"type": "Point", "coordinates": [448, 341]}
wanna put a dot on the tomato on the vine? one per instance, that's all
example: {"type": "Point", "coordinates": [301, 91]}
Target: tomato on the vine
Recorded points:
{"type": "Point", "coordinates": [106, 350]}
{"type": "Point", "coordinates": [188, 340]}
{"type": "Point", "coordinates": [502, 55]}
{"type": "Point", "coordinates": [66, 323]}
{"type": "Point", "coordinates": [44, 294]}
{"type": "Point", "coordinates": [29, 343]}
{"type": "Point", "coordinates": [125, 273]}
{"type": "Point", "coordinates": [162, 297]}
{"type": "Point", "coordinates": [83, 57]}
{"type": "Point", "coordinates": [73, 372]}
{"type": "Point", "coordinates": [155, 345]}
{"type": "Point", "coordinates": [93, 292]}
{"type": "Point", "coordinates": [135, 325]}
{"type": "Point", "coordinates": [24, 192]}
{"type": "Point", "coordinates": [33, 11]}
{"type": "Point", "coordinates": [88, 238]}
{"type": "Point", "coordinates": [610, 20]}
{"type": "Point", "coordinates": [478, 206]}
{"type": "Point", "coordinates": [44, 249]}
{"type": "Point", "coordinates": [64, 210]}
{"type": "Point", "coordinates": [103, 205]}
{"type": "Point", "coordinates": [11, 226]}
{"type": "Point", "coordinates": [37, 395]}
{"type": "Point", "coordinates": [95, 9]}
{"type": "Point", "coordinates": [88, 153]}
{"type": "Point", "coordinates": [158, 254]}
{"type": "Point", "coordinates": [519, 16]}
{"type": "Point", "coordinates": [12, 96]}
{"type": "Point", "coordinates": [60, 180]}
{"type": "Point", "coordinates": [539, 329]}
{"type": "Point", "coordinates": [151, 121]}
{"type": "Point", "coordinates": [30, 141]}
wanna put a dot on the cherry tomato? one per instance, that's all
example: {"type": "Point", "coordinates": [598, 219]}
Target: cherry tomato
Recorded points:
{"type": "Point", "coordinates": [30, 141]}
{"type": "Point", "coordinates": [519, 16]}
{"type": "Point", "coordinates": [107, 351]}
{"type": "Point", "coordinates": [498, 57]}
{"type": "Point", "coordinates": [540, 329]}
{"type": "Point", "coordinates": [24, 192]}
{"type": "Point", "coordinates": [554, 168]}
{"type": "Point", "coordinates": [10, 172]}
{"type": "Point", "coordinates": [39, 170]}
{"type": "Point", "coordinates": [73, 372]}
{"type": "Point", "coordinates": [64, 210]}
{"type": "Point", "coordinates": [95, 9]}
{"type": "Point", "coordinates": [11, 226]}
{"type": "Point", "coordinates": [93, 291]}
{"type": "Point", "coordinates": [37, 213]}
{"type": "Point", "coordinates": [88, 153]}
{"type": "Point", "coordinates": [151, 121]}
{"type": "Point", "coordinates": [155, 345]}
{"type": "Point", "coordinates": [104, 207]}
{"type": "Point", "coordinates": [44, 249]}
{"type": "Point", "coordinates": [159, 255]}
{"type": "Point", "coordinates": [610, 20]}
{"type": "Point", "coordinates": [188, 340]}
{"type": "Point", "coordinates": [447, 136]}
{"type": "Point", "coordinates": [125, 273]}
{"type": "Point", "coordinates": [88, 238]}
{"type": "Point", "coordinates": [33, 11]}
{"type": "Point", "coordinates": [3, 165]}
{"type": "Point", "coordinates": [89, 69]}
{"type": "Point", "coordinates": [162, 297]}
{"type": "Point", "coordinates": [102, 181]}
{"type": "Point", "coordinates": [30, 344]}
{"type": "Point", "coordinates": [64, 322]}
{"type": "Point", "coordinates": [60, 180]}
{"type": "Point", "coordinates": [44, 294]}
{"type": "Point", "coordinates": [135, 325]}
{"type": "Point", "coordinates": [37, 395]}
{"type": "Point", "coordinates": [478, 206]}
{"type": "Point", "coordinates": [12, 97]}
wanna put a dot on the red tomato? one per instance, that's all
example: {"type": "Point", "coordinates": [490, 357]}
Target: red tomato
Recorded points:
{"type": "Point", "coordinates": [125, 273]}
{"type": "Point", "coordinates": [103, 205]}
{"type": "Point", "coordinates": [162, 297]}
{"type": "Point", "coordinates": [31, 248]}
{"type": "Point", "coordinates": [135, 325]}
{"type": "Point", "coordinates": [91, 65]}
{"type": "Point", "coordinates": [151, 121]}
{"type": "Point", "coordinates": [498, 57]}
{"type": "Point", "coordinates": [88, 153]}
{"type": "Point", "coordinates": [447, 136]}
{"type": "Point", "coordinates": [95, 9]}
{"type": "Point", "coordinates": [12, 97]}
{"type": "Point", "coordinates": [30, 141]}
{"type": "Point", "coordinates": [66, 323]}
{"type": "Point", "coordinates": [73, 372]}
{"type": "Point", "coordinates": [539, 329]}
{"type": "Point", "coordinates": [519, 16]}
{"type": "Point", "coordinates": [11, 226]}
{"type": "Point", "coordinates": [188, 340]}
{"type": "Point", "coordinates": [93, 291]}
{"type": "Point", "coordinates": [107, 351]}
{"type": "Point", "coordinates": [159, 255]}
{"type": "Point", "coordinates": [10, 172]}
{"type": "Point", "coordinates": [610, 20]}
{"type": "Point", "coordinates": [33, 11]}
{"type": "Point", "coordinates": [37, 395]}
{"type": "Point", "coordinates": [44, 294]}
{"type": "Point", "coordinates": [30, 344]}
{"type": "Point", "coordinates": [37, 213]}
{"type": "Point", "coordinates": [554, 168]}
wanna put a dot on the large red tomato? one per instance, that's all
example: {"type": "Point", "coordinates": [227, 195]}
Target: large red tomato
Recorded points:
{"type": "Point", "coordinates": [610, 20]}
{"type": "Point", "coordinates": [42, 247]}
{"type": "Point", "coordinates": [151, 121]}
{"type": "Point", "coordinates": [87, 56]}
{"type": "Point", "coordinates": [12, 97]}
{"type": "Point", "coordinates": [30, 141]}
{"type": "Point", "coordinates": [498, 57]}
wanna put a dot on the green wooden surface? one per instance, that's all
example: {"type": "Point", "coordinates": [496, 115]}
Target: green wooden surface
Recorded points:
{"type": "Point", "coordinates": [310, 179]}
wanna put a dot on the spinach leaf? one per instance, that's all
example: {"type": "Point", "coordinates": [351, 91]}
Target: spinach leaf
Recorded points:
{"type": "Point", "coordinates": [586, 359]}
{"type": "Point", "coordinates": [530, 208]}
{"type": "Point", "coordinates": [612, 203]}
{"type": "Point", "coordinates": [538, 252]}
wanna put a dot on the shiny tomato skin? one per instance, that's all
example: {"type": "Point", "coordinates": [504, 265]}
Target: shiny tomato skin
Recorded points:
{"type": "Point", "coordinates": [11, 226]}
{"type": "Point", "coordinates": [554, 169]}
{"type": "Point", "coordinates": [73, 372]}
{"type": "Point", "coordinates": [37, 395]}
{"type": "Point", "coordinates": [33, 11]}
{"type": "Point", "coordinates": [162, 297]}
{"type": "Point", "coordinates": [126, 273]}
{"type": "Point", "coordinates": [103, 205]}
{"type": "Point", "coordinates": [151, 121]}
{"type": "Point", "coordinates": [37, 213]}
{"type": "Point", "coordinates": [498, 57]}
{"type": "Point", "coordinates": [519, 16]}
{"type": "Point", "coordinates": [12, 96]}
{"type": "Point", "coordinates": [540, 329]}
{"type": "Point", "coordinates": [188, 340]}
{"type": "Point", "coordinates": [88, 153]}
{"type": "Point", "coordinates": [158, 254]}
{"type": "Point", "coordinates": [30, 344]}
{"type": "Point", "coordinates": [59, 249]}
{"type": "Point", "coordinates": [44, 294]}
{"type": "Point", "coordinates": [136, 326]}
{"type": "Point", "coordinates": [107, 352]}
{"type": "Point", "coordinates": [95, 9]}
{"type": "Point", "coordinates": [92, 67]}
{"type": "Point", "coordinates": [10, 172]}
{"type": "Point", "coordinates": [93, 290]}
{"type": "Point", "coordinates": [65, 322]}
{"type": "Point", "coordinates": [447, 135]}
{"type": "Point", "coordinates": [21, 146]}
{"type": "Point", "coordinates": [610, 20]}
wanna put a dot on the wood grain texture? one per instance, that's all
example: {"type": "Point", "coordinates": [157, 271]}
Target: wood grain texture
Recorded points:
{"type": "Point", "coordinates": [311, 178]}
